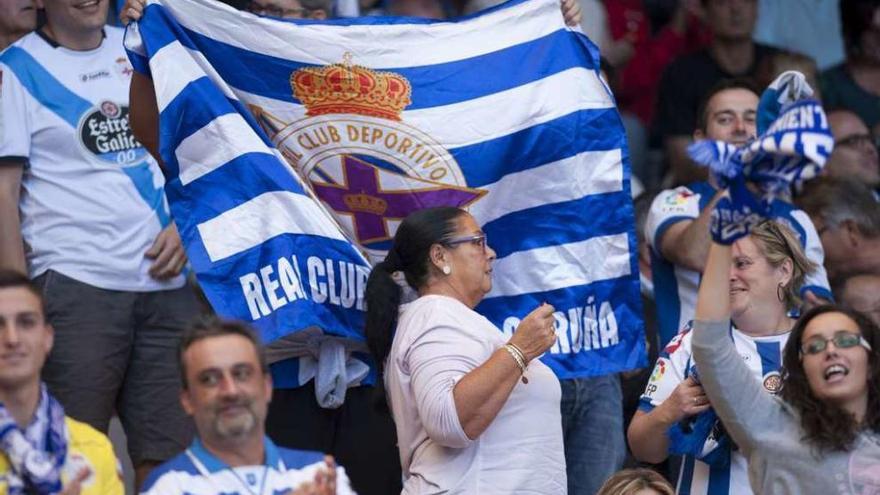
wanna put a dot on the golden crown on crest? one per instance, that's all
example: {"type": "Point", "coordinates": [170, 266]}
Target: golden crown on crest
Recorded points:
{"type": "Point", "coordinates": [365, 203]}
{"type": "Point", "coordinates": [348, 88]}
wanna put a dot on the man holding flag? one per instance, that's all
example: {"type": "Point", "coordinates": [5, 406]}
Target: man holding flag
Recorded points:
{"type": "Point", "coordinates": [365, 146]}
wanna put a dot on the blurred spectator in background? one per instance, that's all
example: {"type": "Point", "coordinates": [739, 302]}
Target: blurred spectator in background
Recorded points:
{"type": "Point", "coordinates": [862, 293]}
{"type": "Point", "coordinates": [855, 84]}
{"type": "Point", "coordinates": [639, 56]}
{"type": "Point", "coordinates": [847, 217]}
{"type": "Point", "coordinates": [429, 9]}
{"type": "Point", "coordinates": [291, 9]}
{"type": "Point", "coordinates": [811, 27]}
{"type": "Point", "coordinates": [779, 62]}
{"type": "Point", "coordinates": [855, 151]}
{"type": "Point", "coordinates": [678, 224]}
{"type": "Point", "coordinates": [686, 80]}
{"type": "Point", "coordinates": [82, 211]}
{"type": "Point", "coordinates": [17, 18]}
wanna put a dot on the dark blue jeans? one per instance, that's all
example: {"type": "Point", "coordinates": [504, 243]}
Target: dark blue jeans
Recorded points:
{"type": "Point", "coordinates": [592, 427]}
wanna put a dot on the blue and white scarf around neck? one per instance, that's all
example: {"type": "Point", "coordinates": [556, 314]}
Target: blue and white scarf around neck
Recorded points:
{"type": "Point", "coordinates": [37, 453]}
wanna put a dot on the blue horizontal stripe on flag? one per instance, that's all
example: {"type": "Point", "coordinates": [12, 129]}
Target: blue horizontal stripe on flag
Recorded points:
{"type": "Point", "coordinates": [471, 78]}
{"type": "Point", "coordinates": [194, 107]}
{"type": "Point", "coordinates": [156, 35]}
{"type": "Point", "coordinates": [139, 62]}
{"type": "Point", "coordinates": [242, 179]}
{"type": "Point", "coordinates": [223, 288]}
{"type": "Point", "coordinates": [621, 293]}
{"type": "Point", "coordinates": [586, 130]}
{"type": "Point", "coordinates": [560, 223]}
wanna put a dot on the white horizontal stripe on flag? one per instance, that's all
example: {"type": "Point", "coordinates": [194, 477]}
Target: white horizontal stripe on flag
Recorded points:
{"type": "Point", "coordinates": [481, 119]}
{"type": "Point", "coordinates": [415, 45]}
{"type": "Point", "coordinates": [174, 66]}
{"type": "Point", "coordinates": [262, 218]}
{"type": "Point", "coordinates": [564, 265]}
{"type": "Point", "coordinates": [591, 172]}
{"type": "Point", "coordinates": [134, 41]}
{"type": "Point", "coordinates": [215, 144]}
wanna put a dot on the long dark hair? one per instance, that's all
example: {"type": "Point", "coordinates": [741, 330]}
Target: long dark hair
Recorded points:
{"type": "Point", "coordinates": [408, 254]}
{"type": "Point", "coordinates": [828, 426]}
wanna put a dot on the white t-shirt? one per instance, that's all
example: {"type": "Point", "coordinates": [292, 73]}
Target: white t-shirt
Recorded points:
{"type": "Point", "coordinates": [763, 357]}
{"type": "Point", "coordinates": [92, 199]}
{"type": "Point", "coordinates": [675, 287]}
{"type": "Point", "coordinates": [439, 340]}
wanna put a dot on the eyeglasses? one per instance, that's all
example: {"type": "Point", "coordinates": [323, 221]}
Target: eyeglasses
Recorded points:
{"type": "Point", "coordinates": [274, 11]}
{"type": "Point", "coordinates": [480, 240]}
{"type": "Point", "coordinates": [842, 339]}
{"type": "Point", "coordinates": [857, 141]}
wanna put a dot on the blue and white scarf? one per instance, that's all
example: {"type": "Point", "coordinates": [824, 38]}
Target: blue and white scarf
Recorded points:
{"type": "Point", "coordinates": [38, 453]}
{"type": "Point", "coordinates": [702, 436]}
{"type": "Point", "coordinates": [793, 143]}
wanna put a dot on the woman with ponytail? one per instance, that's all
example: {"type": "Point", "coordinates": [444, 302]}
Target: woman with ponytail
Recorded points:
{"type": "Point", "coordinates": [475, 413]}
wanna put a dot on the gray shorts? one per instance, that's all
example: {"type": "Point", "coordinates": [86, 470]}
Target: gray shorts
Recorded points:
{"type": "Point", "coordinates": [116, 351]}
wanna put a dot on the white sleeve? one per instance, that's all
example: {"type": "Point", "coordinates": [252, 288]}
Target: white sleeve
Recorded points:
{"type": "Point", "coordinates": [817, 281]}
{"type": "Point", "coordinates": [669, 371]}
{"type": "Point", "coordinates": [668, 208]}
{"type": "Point", "coordinates": [438, 357]}
{"type": "Point", "coordinates": [15, 116]}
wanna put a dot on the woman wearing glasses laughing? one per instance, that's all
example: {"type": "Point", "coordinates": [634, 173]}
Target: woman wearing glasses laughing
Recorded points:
{"type": "Point", "coordinates": [822, 433]}
{"type": "Point", "coordinates": [474, 411]}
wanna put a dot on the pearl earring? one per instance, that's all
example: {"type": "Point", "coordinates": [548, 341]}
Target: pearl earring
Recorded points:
{"type": "Point", "coordinates": [447, 269]}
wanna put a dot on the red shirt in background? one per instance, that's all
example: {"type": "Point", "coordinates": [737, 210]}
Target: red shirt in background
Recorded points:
{"type": "Point", "coordinates": [639, 78]}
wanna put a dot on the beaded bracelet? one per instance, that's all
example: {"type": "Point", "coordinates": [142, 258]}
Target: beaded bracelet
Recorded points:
{"type": "Point", "coordinates": [520, 359]}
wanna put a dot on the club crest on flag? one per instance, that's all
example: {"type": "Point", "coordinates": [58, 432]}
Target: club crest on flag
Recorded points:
{"type": "Point", "coordinates": [290, 165]}
{"type": "Point", "coordinates": [362, 161]}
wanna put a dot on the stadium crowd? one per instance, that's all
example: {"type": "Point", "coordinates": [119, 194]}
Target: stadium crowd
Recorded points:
{"type": "Point", "coordinates": [100, 316]}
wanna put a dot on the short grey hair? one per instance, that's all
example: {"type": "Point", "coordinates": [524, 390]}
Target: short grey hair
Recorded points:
{"type": "Point", "coordinates": [836, 200]}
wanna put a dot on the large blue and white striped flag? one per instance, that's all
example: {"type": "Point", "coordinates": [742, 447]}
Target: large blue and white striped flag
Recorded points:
{"type": "Point", "coordinates": [503, 114]}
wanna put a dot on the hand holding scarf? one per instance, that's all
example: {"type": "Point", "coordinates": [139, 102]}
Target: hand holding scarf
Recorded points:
{"type": "Point", "coordinates": [792, 147]}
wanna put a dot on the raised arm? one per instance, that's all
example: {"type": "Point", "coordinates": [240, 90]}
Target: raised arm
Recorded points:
{"type": "Point", "coordinates": [144, 114]}
{"type": "Point", "coordinates": [686, 243]}
{"type": "Point", "coordinates": [739, 400]}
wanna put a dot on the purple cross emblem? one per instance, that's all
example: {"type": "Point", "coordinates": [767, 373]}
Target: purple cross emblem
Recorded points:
{"type": "Point", "coordinates": [361, 197]}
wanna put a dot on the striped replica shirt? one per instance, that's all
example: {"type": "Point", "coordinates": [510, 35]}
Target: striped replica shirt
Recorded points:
{"type": "Point", "coordinates": [762, 355]}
